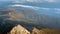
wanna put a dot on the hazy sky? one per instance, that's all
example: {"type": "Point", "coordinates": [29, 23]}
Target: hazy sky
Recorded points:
{"type": "Point", "coordinates": [56, 1]}
{"type": "Point", "coordinates": [52, 9]}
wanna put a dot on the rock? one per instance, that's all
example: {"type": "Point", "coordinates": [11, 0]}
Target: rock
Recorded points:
{"type": "Point", "coordinates": [35, 31]}
{"type": "Point", "coordinates": [45, 31]}
{"type": "Point", "coordinates": [19, 30]}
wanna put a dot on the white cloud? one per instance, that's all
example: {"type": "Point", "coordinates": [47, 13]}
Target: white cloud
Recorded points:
{"type": "Point", "coordinates": [32, 7]}
{"type": "Point", "coordinates": [54, 10]}
{"type": "Point", "coordinates": [42, 1]}
{"type": "Point", "coordinates": [51, 0]}
{"type": "Point", "coordinates": [6, 0]}
{"type": "Point", "coordinates": [39, 1]}
{"type": "Point", "coordinates": [33, 0]}
{"type": "Point", "coordinates": [57, 10]}
{"type": "Point", "coordinates": [44, 8]}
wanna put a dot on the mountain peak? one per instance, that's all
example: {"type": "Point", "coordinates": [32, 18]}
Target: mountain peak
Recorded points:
{"type": "Point", "coordinates": [19, 30]}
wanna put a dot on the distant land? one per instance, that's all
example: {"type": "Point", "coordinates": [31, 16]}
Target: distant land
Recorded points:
{"type": "Point", "coordinates": [29, 15]}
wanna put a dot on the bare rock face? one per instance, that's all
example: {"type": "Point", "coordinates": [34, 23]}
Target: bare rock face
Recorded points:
{"type": "Point", "coordinates": [19, 30]}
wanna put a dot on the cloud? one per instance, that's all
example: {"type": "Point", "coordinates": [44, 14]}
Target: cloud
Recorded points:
{"type": "Point", "coordinates": [6, 0]}
{"type": "Point", "coordinates": [42, 9]}
{"type": "Point", "coordinates": [42, 1]}
{"type": "Point", "coordinates": [26, 6]}
{"type": "Point", "coordinates": [38, 1]}
{"type": "Point", "coordinates": [33, 0]}
{"type": "Point", "coordinates": [57, 10]}
{"type": "Point", "coordinates": [51, 0]}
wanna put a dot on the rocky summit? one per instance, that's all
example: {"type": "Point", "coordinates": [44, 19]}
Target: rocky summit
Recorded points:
{"type": "Point", "coordinates": [19, 30]}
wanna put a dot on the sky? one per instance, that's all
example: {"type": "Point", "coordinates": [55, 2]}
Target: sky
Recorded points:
{"type": "Point", "coordinates": [51, 9]}
{"type": "Point", "coordinates": [54, 1]}
{"type": "Point", "coordinates": [47, 7]}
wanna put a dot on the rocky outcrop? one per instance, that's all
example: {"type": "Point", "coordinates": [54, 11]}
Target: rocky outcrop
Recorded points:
{"type": "Point", "coordinates": [45, 31]}
{"type": "Point", "coordinates": [19, 30]}
{"type": "Point", "coordinates": [37, 31]}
